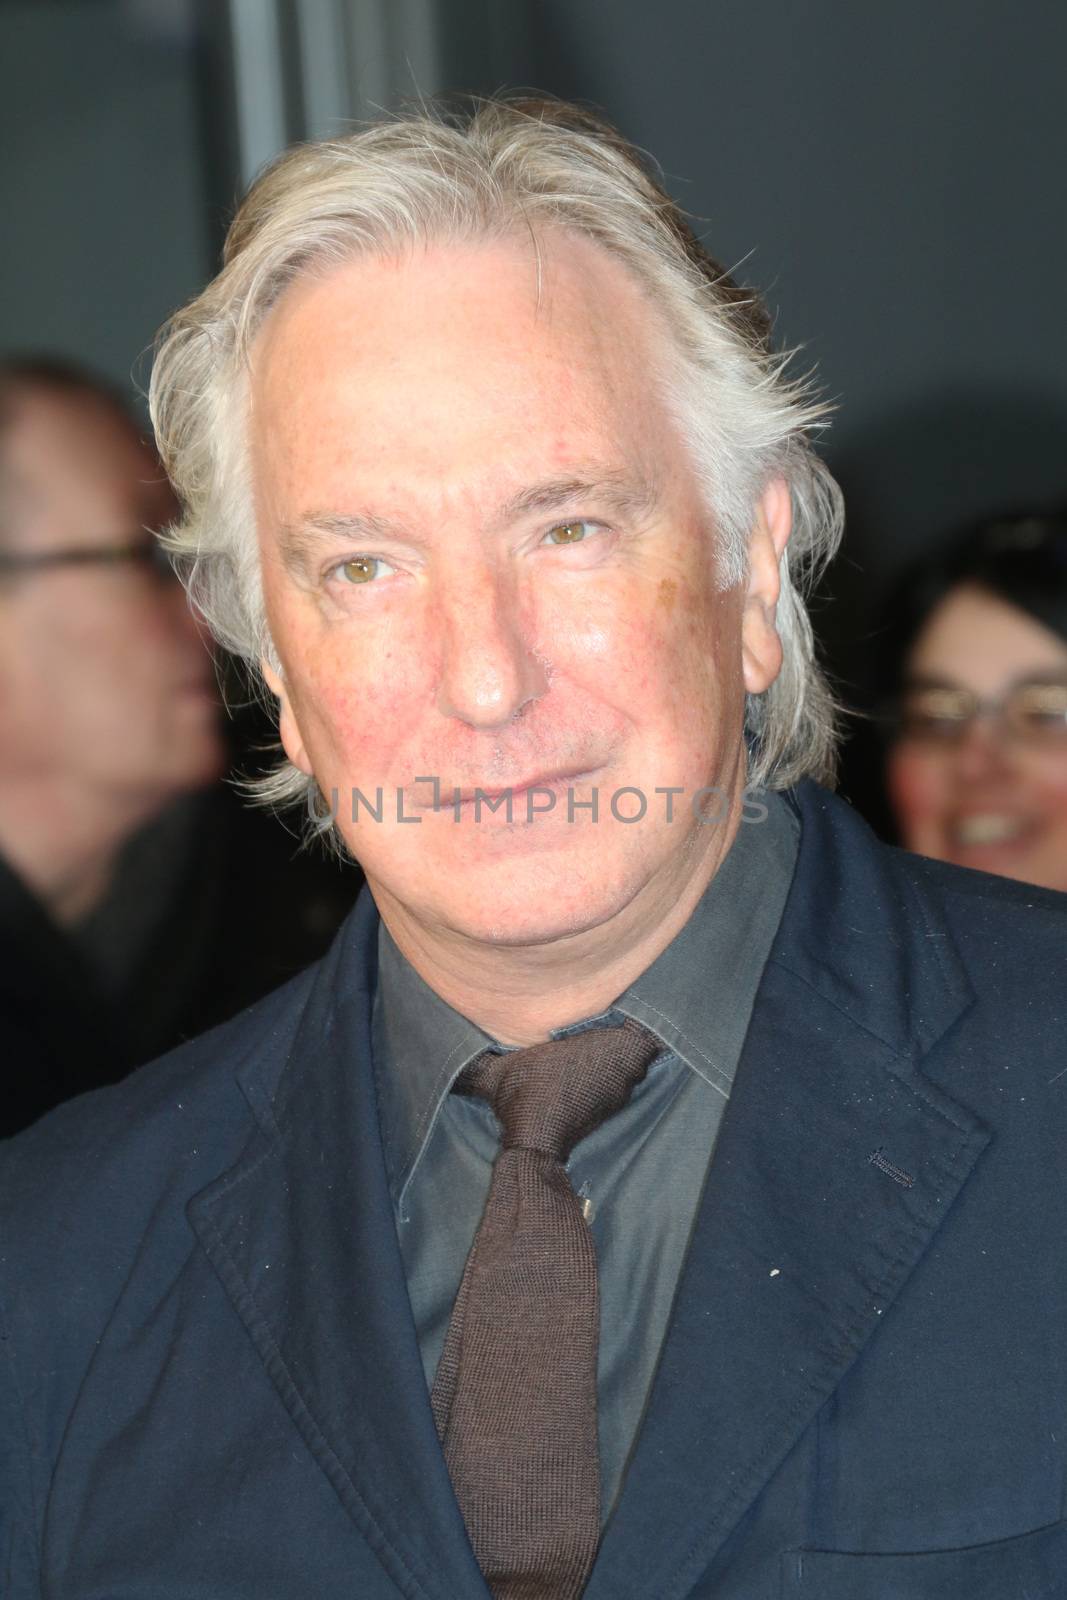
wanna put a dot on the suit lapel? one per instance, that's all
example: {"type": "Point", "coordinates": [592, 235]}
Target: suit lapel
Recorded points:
{"type": "Point", "coordinates": [836, 1163]}
{"type": "Point", "coordinates": [302, 1235]}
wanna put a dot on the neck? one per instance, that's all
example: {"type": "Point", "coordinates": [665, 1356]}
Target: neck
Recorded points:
{"type": "Point", "coordinates": [518, 994]}
{"type": "Point", "coordinates": [62, 844]}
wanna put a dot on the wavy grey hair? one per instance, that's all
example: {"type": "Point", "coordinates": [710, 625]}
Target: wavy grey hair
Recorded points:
{"type": "Point", "coordinates": [507, 166]}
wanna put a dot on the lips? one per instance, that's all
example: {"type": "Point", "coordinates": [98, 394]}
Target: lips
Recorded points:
{"type": "Point", "coordinates": [546, 780]}
{"type": "Point", "coordinates": [446, 794]}
{"type": "Point", "coordinates": [982, 829]}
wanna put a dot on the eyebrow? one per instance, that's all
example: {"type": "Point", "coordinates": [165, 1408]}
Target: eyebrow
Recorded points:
{"type": "Point", "coordinates": [618, 492]}
{"type": "Point", "coordinates": [299, 542]}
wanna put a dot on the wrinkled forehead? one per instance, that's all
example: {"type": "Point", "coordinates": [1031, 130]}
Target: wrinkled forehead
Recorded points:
{"type": "Point", "coordinates": [457, 355]}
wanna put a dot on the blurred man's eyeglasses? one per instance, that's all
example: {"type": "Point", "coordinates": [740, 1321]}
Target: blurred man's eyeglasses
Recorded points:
{"type": "Point", "coordinates": [1031, 712]}
{"type": "Point", "coordinates": [145, 553]}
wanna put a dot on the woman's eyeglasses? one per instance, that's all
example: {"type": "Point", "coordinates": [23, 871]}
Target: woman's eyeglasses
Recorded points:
{"type": "Point", "coordinates": [1031, 712]}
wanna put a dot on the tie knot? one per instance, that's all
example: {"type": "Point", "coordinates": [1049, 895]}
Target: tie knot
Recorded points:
{"type": "Point", "coordinates": [548, 1096]}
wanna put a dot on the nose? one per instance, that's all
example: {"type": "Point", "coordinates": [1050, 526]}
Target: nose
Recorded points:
{"type": "Point", "coordinates": [489, 670]}
{"type": "Point", "coordinates": [982, 751]}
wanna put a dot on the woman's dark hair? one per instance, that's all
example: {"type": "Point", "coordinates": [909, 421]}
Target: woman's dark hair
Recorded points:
{"type": "Point", "coordinates": [1019, 559]}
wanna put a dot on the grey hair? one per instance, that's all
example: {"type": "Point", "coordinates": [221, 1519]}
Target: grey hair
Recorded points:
{"type": "Point", "coordinates": [506, 166]}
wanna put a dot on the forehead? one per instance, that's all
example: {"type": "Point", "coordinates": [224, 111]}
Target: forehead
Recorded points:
{"type": "Point", "coordinates": [454, 360]}
{"type": "Point", "coordinates": [976, 639]}
{"type": "Point", "coordinates": [73, 466]}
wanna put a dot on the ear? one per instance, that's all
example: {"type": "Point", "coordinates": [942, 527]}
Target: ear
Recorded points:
{"type": "Point", "coordinates": [761, 648]}
{"type": "Point", "coordinates": [292, 742]}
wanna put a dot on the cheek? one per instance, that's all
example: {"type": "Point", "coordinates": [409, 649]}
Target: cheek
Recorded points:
{"type": "Point", "coordinates": [695, 645]}
{"type": "Point", "coordinates": [1047, 783]}
{"type": "Point", "coordinates": [917, 786]}
{"type": "Point", "coordinates": [78, 669]}
{"type": "Point", "coordinates": [357, 699]}
{"type": "Point", "coordinates": [656, 642]}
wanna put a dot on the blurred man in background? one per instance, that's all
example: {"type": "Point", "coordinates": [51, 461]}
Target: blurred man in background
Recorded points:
{"type": "Point", "coordinates": [123, 865]}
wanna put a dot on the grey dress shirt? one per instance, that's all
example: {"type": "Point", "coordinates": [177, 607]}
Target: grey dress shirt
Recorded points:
{"type": "Point", "coordinates": [640, 1174]}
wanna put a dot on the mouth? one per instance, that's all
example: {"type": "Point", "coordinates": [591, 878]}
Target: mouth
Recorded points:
{"type": "Point", "coordinates": [448, 798]}
{"type": "Point", "coordinates": [547, 780]}
{"type": "Point", "coordinates": [989, 829]}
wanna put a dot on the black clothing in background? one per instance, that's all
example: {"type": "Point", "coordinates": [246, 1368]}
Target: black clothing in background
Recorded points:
{"type": "Point", "coordinates": [213, 905]}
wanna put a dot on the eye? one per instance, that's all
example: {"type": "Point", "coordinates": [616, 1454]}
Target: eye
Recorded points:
{"type": "Point", "coordinates": [571, 532]}
{"type": "Point", "coordinates": [359, 570]}
{"type": "Point", "coordinates": [1041, 707]}
{"type": "Point", "coordinates": [935, 714]}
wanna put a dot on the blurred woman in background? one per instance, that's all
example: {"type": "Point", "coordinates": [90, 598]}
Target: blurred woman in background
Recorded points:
{"type": "Point", "coordinates": [977, 767]}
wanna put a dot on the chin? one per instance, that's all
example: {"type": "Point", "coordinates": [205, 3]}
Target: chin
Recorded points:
{"type": "Point", "coordinates": [531, 903]}
{"type": "Point", "coordinates": [539, 927]}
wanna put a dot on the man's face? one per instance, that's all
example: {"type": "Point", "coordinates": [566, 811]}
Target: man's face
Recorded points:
{"type": "Point", "coordinates": [486, 561]}
{"type": "Point", "coordinates": [104, 680]}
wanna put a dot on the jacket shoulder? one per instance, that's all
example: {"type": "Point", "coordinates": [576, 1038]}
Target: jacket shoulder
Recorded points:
{"type": "Point", "coordinates": [942, 877]}
{"type": "Point", "coordinates": [905, 944]}
{"type": "Point", "coordinates": [83, 1182]}
{"type": "Point", "coordinates": [999, 912]}
{"type": "Point", "coordinates": [859, 870]}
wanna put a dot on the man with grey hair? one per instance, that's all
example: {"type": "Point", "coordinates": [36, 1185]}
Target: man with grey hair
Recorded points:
{"type": "Point", "coordinates": [635, 1201]}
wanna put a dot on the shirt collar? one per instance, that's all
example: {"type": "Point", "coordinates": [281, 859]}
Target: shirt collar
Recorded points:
{"type": "Point", "coordinates": [696, 997]}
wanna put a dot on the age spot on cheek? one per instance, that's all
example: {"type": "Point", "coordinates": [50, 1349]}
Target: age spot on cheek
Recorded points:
{"type": "Point", "coordinates": [668, 588]}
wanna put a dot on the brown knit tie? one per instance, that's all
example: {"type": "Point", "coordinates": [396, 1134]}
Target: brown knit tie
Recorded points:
{"type": "Point", "coordinates": [514, 1398]}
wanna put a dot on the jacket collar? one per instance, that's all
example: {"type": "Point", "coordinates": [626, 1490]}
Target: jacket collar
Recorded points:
{"type": "Point", "coordinates": [836, 1162]}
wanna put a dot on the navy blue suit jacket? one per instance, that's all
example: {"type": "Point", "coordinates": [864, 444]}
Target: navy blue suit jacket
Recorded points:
{"type": "Point", "coordinates": [210, 1384]}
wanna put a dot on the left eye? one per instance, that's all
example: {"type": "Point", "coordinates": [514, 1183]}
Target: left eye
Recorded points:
{"type": "Point", "coordinates": [570, 532]}
{"type": "Point", "coordinates": [360, 570]}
